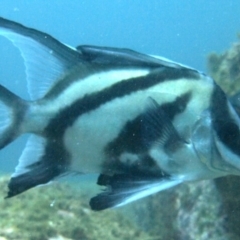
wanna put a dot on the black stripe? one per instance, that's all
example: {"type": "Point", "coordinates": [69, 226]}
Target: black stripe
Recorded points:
{"type": "Point", "coordinates": [226, 128]}
{"type": "Point", "coordinates": [132, 136]}
{"type": "Point", "coordinates": [67, 116]}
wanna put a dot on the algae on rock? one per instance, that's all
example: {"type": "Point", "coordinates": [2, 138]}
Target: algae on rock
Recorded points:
{"type": "Point", "coordinates": [58, 211]}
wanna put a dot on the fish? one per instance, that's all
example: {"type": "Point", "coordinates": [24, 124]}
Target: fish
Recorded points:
{"type": "Point", "coordinates": [142, 123]}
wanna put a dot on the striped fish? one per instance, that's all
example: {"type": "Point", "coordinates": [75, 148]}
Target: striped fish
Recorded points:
{"type": "Point", "coordinates": [143, 123]}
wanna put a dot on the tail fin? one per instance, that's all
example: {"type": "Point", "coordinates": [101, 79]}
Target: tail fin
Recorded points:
{"type": "Point", "coordinates": [46, 62]}
{"type": "Point", "coordinates": [12, 111]}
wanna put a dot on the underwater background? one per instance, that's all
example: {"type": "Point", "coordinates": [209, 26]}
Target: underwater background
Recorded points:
{"type": "Point", "coordinates": [201, 34]}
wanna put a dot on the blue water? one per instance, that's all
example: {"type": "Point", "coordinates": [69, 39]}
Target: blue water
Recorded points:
{"type": "Point", "coordinates": [185, 31]}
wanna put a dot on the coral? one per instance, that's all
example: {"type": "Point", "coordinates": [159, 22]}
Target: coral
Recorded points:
{"type": "Point", "coordinates": [60, 212]}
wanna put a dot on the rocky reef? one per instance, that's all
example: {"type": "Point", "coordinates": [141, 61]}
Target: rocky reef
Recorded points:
{"type": "Point", "coordinates": [187, 212]}
{"type": "Point", "coordinates": [225, 68]}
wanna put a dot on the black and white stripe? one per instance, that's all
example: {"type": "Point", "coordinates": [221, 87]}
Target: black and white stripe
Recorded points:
{"type": "Point", "coordinates": [91, 113]}
{"type": "Point", "coordinates": [90, 102]}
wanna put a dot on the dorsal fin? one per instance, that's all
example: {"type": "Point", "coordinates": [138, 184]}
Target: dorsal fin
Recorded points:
{"type": "Point", "coordinates": [123, 57]}
{"type": "Point", "coordinates": [46, 59]}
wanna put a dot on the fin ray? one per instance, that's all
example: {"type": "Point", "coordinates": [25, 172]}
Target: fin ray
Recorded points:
{"type": "Point", "coordinates": [124, 188]}
{"type": "Point", "coordinates": [46, 59]}
{"type": "Point", "coordinates": [32, 152]}
{"type": "Point", "coordinates": [157, 127]}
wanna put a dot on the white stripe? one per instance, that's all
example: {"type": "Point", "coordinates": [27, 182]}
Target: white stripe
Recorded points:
{"type": "Point", "coordinates": [91, 84]}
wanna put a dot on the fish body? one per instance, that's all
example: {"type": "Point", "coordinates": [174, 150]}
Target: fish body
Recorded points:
{"type": "Point", "coordinates": [143, 123]}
